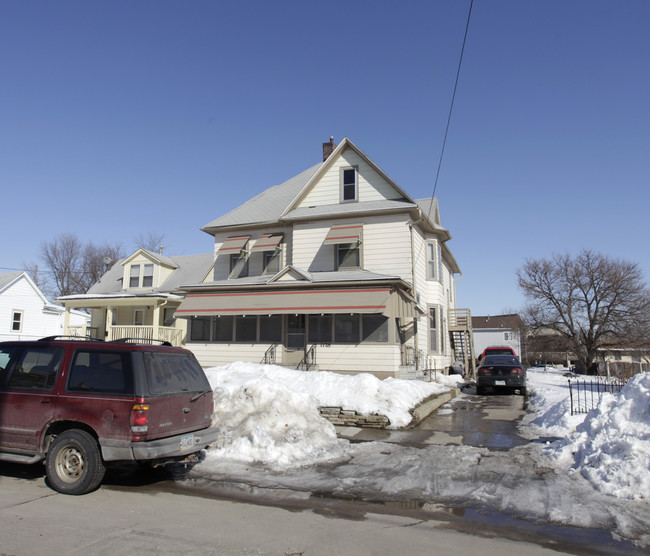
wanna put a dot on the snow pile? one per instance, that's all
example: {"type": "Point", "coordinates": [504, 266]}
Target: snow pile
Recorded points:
{"type": "Point", "coordinates": [611, 448]}
{"type": "Point", "coordinates": [269, 414]}
{"type": "Point", "coordinates": [549, 404]}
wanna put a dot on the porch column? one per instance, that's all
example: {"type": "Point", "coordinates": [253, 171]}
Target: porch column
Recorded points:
{"type": "Point", "coordinates": [66, 321]}
{"type": "Point", "coordinates": [156, 320]}
{"type": "Point", "coordinates": [109, 323]}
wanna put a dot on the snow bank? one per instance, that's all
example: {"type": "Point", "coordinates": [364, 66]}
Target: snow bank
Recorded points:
{"type": "Point", "coordinates": [611, 448]}
{"type": "Point", "coordinates": [269, 414]}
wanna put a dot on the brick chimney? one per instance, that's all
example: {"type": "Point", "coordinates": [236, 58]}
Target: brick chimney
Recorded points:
{"type": "Point", "coordinates": [328, 148]}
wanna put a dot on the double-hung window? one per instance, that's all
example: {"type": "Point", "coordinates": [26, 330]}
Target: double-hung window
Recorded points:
{"type": "Point", "coordinates": [349, 185]}
{"type": "Point", "coordinates": [432, 263]}
{"type": "Point", "coordinates": [348, 255]}
{"type": "Point", "coordinates": [16, 321]}
{"type": "Point", "coordinates": [147, 276]}
{"type": "Point", "coordinates": [433, 329]}
{"type": "Point", "coordinates": [134, 276]}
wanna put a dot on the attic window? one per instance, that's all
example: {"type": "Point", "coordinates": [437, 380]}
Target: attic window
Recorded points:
{"type": "Point", "coordinates": [349, 186]}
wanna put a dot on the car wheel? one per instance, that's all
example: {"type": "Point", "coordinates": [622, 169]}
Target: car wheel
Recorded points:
{"type": "Point", "coordinates": [480, 390]}
{"type": "Point", "coordinates": [74, 463]}
{"type": "Point", "coordinates": [522, 391]}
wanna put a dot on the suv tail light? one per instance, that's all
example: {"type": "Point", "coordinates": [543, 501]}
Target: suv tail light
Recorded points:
{"type": "Point", "coordinates": [140, 417]}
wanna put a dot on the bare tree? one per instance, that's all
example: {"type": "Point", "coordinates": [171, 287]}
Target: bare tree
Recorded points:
{"type": "Point", "coordinates": [593, 301]}
{"type": "Point", "coordinates": [151, 242]}
{"type": "Point", "coordinates": [73, 267]}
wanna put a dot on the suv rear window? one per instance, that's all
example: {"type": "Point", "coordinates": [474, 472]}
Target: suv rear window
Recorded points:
{"type": "Point", "coordinates": [171, 373]}
{"type": "Point", "coordinates": [107, 372]}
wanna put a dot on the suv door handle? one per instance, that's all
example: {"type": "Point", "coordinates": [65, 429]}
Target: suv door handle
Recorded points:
{"type": "Point", "coordinates": [186, 410]}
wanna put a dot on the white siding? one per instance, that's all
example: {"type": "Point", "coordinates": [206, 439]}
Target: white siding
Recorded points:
{"type": "Point", "coordinates": [37, 322]}
{"type": "Point", "coordinates": [372, 186]}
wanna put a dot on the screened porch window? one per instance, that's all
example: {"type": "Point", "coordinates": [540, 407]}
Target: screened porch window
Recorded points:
{"type": "Point", "coordinates": [347, 329]}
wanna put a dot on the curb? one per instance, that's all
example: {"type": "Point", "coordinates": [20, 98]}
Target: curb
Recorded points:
{"type": "Point", "coordinates": [428, 406]}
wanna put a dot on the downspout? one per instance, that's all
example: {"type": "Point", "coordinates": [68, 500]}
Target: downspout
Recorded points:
{"type": "Point", "coordinates": [413, 281]}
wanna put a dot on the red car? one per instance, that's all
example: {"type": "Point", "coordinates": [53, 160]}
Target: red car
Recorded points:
{"type": "Point", "coordinates": [79, 405]}
{"type": "Point", "coordinates": [497, 350]}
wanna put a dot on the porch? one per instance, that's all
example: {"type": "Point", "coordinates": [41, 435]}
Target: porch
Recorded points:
{"type": "Point", "coordinates": [175, 336]}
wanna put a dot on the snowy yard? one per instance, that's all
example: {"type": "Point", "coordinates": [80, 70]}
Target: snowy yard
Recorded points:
{"type": "Point", "coordinates": [596, 475]}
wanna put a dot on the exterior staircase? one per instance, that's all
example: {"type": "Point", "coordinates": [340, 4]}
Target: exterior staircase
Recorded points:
{"type": "Point", "coordinates": [462, 340]}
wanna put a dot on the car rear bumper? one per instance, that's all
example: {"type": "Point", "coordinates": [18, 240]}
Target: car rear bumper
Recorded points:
{"type": "Point", "coordinates": [172, 447]}
{"type": "Point", "coordinates": [501, 383]}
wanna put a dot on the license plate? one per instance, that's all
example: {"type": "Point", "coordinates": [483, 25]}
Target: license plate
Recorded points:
{"type": "Point", "coordinates": [499, 382]}
{"type": "Point", "coordinates": [187, 442]}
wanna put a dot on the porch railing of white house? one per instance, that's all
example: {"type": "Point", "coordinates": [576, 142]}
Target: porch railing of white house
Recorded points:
{"type": "Point", "coordinates": [83, 331]}
{"type": "Point", "coordinates": [165, 333]}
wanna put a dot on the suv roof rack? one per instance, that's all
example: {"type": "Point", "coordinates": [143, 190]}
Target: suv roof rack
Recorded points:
{"type": "Point", "coordinates": [70, 338]}
{"type": "Point", "coordinates": [140, 341]}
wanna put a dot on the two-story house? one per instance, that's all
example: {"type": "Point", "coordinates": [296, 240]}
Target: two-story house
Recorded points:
{"type": "Point", "coordinates": [337, 267]}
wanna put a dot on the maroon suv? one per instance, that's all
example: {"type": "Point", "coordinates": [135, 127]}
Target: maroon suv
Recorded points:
{"type": "Point", "coordinates": [80, 404]}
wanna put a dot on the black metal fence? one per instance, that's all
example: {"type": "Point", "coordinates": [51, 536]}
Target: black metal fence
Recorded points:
{"type": "Point", "coordinates": [585, 394]}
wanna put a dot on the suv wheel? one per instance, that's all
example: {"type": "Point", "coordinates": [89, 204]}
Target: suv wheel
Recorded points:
{"type": "Point", "coordinates": [74, 464]}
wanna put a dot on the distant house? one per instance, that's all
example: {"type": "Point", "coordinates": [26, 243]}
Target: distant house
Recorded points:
{"type": "Point", "coordinates": [138, 296]}
{"type": "Point", "coordinates": [26, 314]}
{"type": "Point", "coordinates": [499, 330]}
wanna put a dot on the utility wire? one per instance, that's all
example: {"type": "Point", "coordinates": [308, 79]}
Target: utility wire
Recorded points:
{"type": "Point", "coordinates": [451, 107]}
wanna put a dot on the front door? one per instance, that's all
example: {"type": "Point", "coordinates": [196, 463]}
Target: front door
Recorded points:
{"type": "Point", "coordinates": [296, 334]}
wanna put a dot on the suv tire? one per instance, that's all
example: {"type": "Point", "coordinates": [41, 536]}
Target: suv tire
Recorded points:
{"type": "Point", "coordinates": [74, 463]}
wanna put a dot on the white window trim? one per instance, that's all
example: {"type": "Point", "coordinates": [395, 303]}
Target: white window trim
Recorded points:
{"type": "Point", "coordinates": [438, 346]}
{"type": "Point", "coordinates": [432, 259]}
{"type": "Point", "coordinates": [356, 184]}
{"type": "Point", "coordinates": [143, 311]}
{"type": "Point", "coordinates": [15, 312]}
{"type": "Point", "coordinates": [337, 258]}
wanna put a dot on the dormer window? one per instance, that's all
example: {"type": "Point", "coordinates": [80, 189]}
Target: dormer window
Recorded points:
{"type": "Point", "coordinates": [134, 276]}
{"type": "Point", "coordinates": [141, 276]}
{"type": "Point", "coordinates": [349, 185]}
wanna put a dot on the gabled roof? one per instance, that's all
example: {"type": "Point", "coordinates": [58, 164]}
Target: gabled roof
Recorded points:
{"type": "Point", "coordinates": [162, 259]}
{"type": "Point", "coordinates": [188, 269]}
{"type": "Point", "coordinates": [280, 203]}
{"type": "Point", "coordinates": [8, 279]}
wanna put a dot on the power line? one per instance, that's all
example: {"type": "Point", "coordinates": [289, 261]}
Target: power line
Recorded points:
{"type": "Point", "coordinates": [451, 106]}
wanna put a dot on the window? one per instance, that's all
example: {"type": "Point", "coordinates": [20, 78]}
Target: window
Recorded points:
{"type": "Point", "coordinates": [320, 329]}
{"type": "Point", "coordinates": [147, 276]}
{"type": "Point", "coordinates": [346, 328]}
{"type": "Point", "coordinates": [238, 264]}
{"type": "Point", "coordinates": [246, 328]}
{"type": "Point", "coordinates": [348, 255]}
{"type": "Point", "coordinates": [271, 328]}
{"type": "Point", "coordinates": [134, 279]}
{"type": "Point", "coordinates": [101, 371]}
{"type": "Point", "coordinates": [36, 369]}
{"type": "Point", "coordinates": [200, 329]}
{"type": "Point", "coordinates": [16, 321]}
{"type": "Point", "coordinates": [222, 328]}
{"type": "Point", "coordinates": [375, 328]}
{"type": "Point", "coordinates": [349, 185]}
{"type": "Point", "coordinates": [433, 329]}
{"type": "Point", "coordinates": [271, 262]}
{"type": "Point", "coordinates": [168, 316]}
{"type": "Point", "coordinates": [431, 260]}
{"type": "Point", "coordinates": [138, 317]}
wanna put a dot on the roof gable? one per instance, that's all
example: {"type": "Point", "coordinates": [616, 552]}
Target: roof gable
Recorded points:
{"type": "Point", "coordinates": [150, 255]}
{"type": "Point", "coordinates": [324, 186]}
{"type": "Point", "coordinates": [8, 279]}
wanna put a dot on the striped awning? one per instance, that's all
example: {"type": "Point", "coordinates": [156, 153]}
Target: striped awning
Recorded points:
{"type": "Point", "coordinates": [346, 233]}
{"type": "Point", "coordinates": [267, 242]}
{"type": "Point", "coordinates": [233, 245]}
{"type": "Point", "coordinates": [383, 300]}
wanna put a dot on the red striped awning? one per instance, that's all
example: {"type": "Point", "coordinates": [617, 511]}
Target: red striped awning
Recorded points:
{"type": "Point", "coordinates": [233, 245]}
{"type": "Point", "coordinates": [267, 242]}
{"type": "Point", "coordinates": [379, 299]}
{"type": "Point", "coordinates": [345, 233]}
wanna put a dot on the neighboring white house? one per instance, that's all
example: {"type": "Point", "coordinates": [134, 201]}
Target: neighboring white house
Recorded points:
{"type": "Point", "coordinates": [26, 314]}
{"type": "Point", "coordinates": [337, 268]}
{"type": "Point", "coordinates": [499, 330]}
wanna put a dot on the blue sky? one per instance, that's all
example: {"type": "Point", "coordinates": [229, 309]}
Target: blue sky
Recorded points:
{"type": "Point", "coordinates": [122, 118]}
